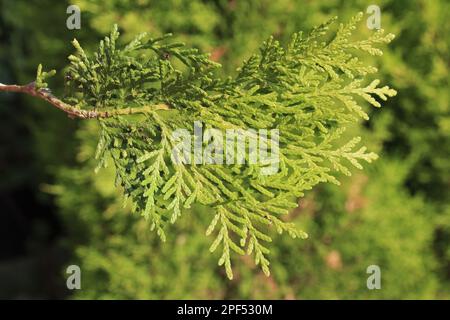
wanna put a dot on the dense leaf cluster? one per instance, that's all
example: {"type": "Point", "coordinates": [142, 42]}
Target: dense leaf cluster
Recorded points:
{"type": "Point", "coordinates": [310, 91]}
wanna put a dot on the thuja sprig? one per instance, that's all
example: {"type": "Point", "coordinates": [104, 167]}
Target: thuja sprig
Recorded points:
{"type": "Point", "coordinates": [308, 91]}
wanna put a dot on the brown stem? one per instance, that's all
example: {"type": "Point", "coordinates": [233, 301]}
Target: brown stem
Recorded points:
{"type": "Point", "coordinates": [72, 111]}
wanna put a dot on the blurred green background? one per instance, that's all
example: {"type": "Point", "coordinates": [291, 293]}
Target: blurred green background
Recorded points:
{"type": "Point", "coordinates": [54, 211]}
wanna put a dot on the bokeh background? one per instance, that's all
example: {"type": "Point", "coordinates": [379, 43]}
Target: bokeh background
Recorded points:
{"type": "Point", "coordinates": [54, 211]}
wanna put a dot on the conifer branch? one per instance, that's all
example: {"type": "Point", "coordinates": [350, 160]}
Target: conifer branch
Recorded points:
{"type": "Point", "coordinates": [310, 92]}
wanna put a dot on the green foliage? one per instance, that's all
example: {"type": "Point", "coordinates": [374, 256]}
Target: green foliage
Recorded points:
{"type": "Point", "coordinates": [127, 262]}
{"type": "Point", "coordinates": [41, 78]}
{"type": "Point", "coordinates": [306, 91]}
{"type": "Point", "coordinates": [182, 270]}
{"type": "Point", "coordinates": [417, 119]}
{"type": "Point", "coordinates": [398, 218]}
